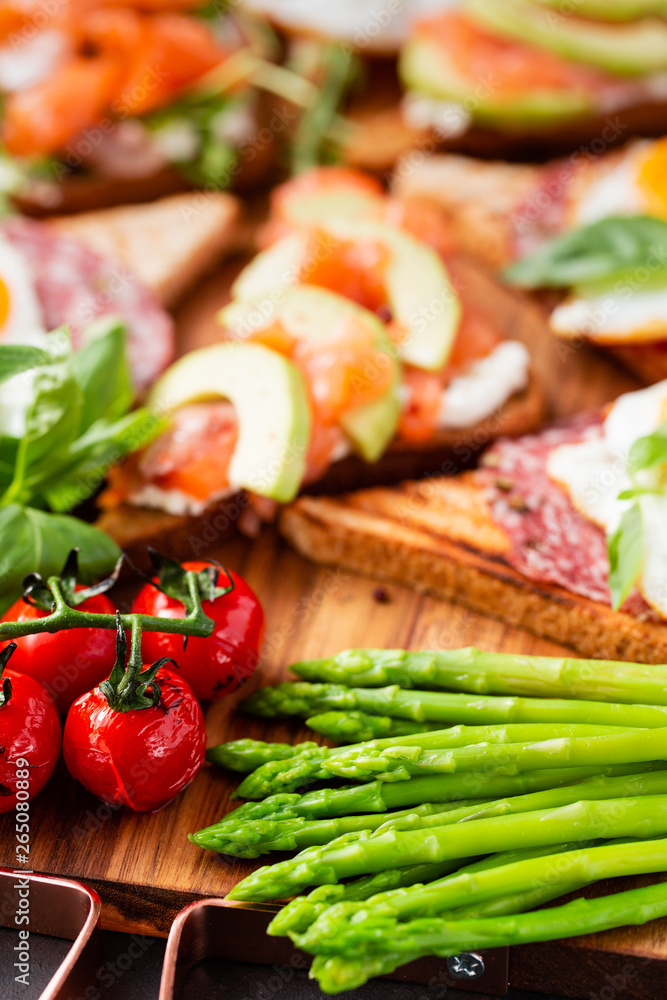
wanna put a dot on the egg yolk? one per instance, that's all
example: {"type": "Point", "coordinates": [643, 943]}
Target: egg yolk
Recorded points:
{"type": "Point", "coordinates": [652, 179]}
{"type": "Point", "coordinates": [4, 304]}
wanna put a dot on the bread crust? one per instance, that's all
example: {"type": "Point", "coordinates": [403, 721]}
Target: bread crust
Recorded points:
{"type": "Point", "coordinates": [438, 537]}
{"type": "Point", "coordinates": [381, 136]}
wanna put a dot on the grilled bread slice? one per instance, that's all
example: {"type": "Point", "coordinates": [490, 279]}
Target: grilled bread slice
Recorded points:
{"type": "Point", "coordinates": [438, 537]}
{"type": "Point", "coordinates": [167, 244]}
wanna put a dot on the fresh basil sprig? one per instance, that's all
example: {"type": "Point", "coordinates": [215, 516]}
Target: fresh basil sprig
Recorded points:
{"type": "Point", "coordinates": [626, 544]}
{"type": "Point", "coordinates": [73, 407]}
{"type": "Point", "coordinates": [601, 251]}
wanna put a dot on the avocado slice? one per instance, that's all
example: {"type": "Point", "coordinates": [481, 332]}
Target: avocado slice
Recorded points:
{"type": "Point", "coordinates": [628, 49]}
{"type": "Point", "coordinates": [309, 313]}
{"type": "Point", "coordinates": [271, 403]}
{"type": "Point", "coordinates": [613, 10]}
{"type": "Point", "coordinates": [419, 292]}
{"type": "Point", "coordinates": [424, 68]}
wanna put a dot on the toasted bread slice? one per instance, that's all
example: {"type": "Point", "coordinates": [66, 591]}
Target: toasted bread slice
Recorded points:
{"type": "Point", "coordinates": [167, 244]}
{"type": "Point", "coordinates": [479, 198]}
{"type": "Point", "coordinates": [438, 537]}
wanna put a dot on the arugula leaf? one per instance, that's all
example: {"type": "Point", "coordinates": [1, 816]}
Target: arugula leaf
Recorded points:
{"type": "Point", "coordinates": [17, 358]}
{"type": "Point", "coordinates": [199, 118]}
{"type": "Point", "coordinates": [102, 371]}
{"type": "Point", "coordinates": [601, 251]}
{"type": "Point", "coordinates": [649, 451]}
{"type": "Point", "coordinates": [314, 141]}
{"type": "Point", "coordinates": [34, 539]}
{"type": "Point", "coordinates": [626, 555]}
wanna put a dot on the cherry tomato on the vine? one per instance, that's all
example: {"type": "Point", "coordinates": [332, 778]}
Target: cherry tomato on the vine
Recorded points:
{"type": "Point", "coordinates": [66, 663]}
{"type": "Point", "coordinates": [218, 665]}
{"type": "Point", "coordinates": [141, 758]}
{"type": "Point", "coordinates": [30, 738]}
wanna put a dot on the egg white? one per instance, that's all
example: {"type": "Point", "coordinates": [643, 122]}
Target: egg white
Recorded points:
{"type": "Point", "coordinates": [367, 24]}
{"type": "Point", "coordinates": [621, 315]}
{"type": "Point", "coordinates": [23, 325]}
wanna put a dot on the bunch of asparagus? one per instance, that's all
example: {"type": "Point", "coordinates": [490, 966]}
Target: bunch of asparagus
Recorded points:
{"type": "Point", "coordinates": [567, 758]}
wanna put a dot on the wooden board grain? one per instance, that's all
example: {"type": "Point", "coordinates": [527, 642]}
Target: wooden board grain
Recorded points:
{"type": "Point", "coordinates": [144, 867]}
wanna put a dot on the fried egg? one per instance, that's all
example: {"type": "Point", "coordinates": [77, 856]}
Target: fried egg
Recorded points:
{"type": "Point", "coordinates": [20, 323]}
{"type": "Point", "coordinates": [20, 311]}
{"type": "Point", "coordinates": [632, 182]}
{"type": "Point", "coordinates": [595, 471]}
{"type": "Point", "coordinates": [367, 24]}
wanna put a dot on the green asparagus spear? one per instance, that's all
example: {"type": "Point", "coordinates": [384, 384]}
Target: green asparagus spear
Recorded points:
{"type": "Point", "coordinates": [300, 698]}
{"type": "Point", "coordinates": [355, 972]}
{"type": "Point", "coordinates": [630, 817]}
{"type": "Point", "coordinates": [302, 911]}
{"type": "Point", "coordinates": [314, 765]}
{"type": "Point", "coordinates": [399, 763]}
{"type": "Point", "coordinates": [357, 727]}
{"type": "Point", "coordinates": [251, 838]}
{"type": "Point", "coordinates": [350, 973]}
{"type": "Point", "coordinates": [480, 672]}
{"type": "Point", "coordinates": [378, 796]}
{"type": "Point", "coordinates": [440, 936]}
{"type": "Point", "coordinates": [247, 755]}
{"type": "Point", "coordinates": [340, 928]}
{"type": "Point", "coordinates": [297, 915]}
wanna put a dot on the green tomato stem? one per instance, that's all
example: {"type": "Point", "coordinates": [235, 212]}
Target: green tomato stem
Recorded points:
{"type": "Point", "coordinates": [195, 623]}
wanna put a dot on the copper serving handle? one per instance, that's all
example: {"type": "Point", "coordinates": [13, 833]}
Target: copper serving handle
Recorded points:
{"type": "Point", "coordinates": [60, 908]}
{"type": "Point", "coordinates": [217, 929]}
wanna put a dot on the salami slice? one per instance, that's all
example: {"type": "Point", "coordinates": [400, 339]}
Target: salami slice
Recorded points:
{"type": "Point", "coordinates": [74, 285]}
{"type": "Point", "coordinates": [551, 541]}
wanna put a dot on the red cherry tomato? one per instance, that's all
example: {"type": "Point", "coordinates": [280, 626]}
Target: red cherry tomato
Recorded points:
{"type": "Point", "coordinates": [220, 664]}
{"type": "Point", "coordinates": [30, 738]}
{"type": "Point", "coordinates": [66, 663]}
{"type": "Point", "coordinates": [141, 758]}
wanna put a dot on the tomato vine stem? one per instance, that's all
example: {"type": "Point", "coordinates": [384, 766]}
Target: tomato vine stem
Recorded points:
{"type": "Point", "coordinates": [196, 622]}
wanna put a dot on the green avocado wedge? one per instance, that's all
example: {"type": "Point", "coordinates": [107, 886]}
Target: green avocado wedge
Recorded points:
{"type": "Point", "coordinates": [418, 290]}
{"type": "Point", "coordinates": [310, 313]}
{"type": "Point", "coordinates": [628, 49]}
{"type": "Point", "coordinates": [425, 68]}
{"type": "Point", "coordinates": [271, 402]}
{"type": "Point", "coordinates": [609, 10]}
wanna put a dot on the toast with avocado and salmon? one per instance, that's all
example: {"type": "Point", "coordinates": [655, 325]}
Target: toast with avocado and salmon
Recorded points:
{"type": "Point", "coordinates": [497, 76]}
{"type": "Point", "coordinates": [561, 533]}
{"type": "Point", "coordinates": [356, 348]}
{"type": "Point", "coordinates": [592, 229]}
{"type": "Point", "coordinates": [523, 78]}
{"type": "Point", "coordinates": [108, 104]}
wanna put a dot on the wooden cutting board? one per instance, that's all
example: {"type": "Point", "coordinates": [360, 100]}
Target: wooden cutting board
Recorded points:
{"type": "Point", "coordinates": [143, 866]}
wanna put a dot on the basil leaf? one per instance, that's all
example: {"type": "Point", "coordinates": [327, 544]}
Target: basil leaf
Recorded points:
{"type": "Point", "coordinates": [52, 420]}
{"type": "Point", "coordinates": [649, 451]}
{"type": "Point", "coordinates": [600, 251]}
{"type": "Point", "coordinates": [15, 359]}
{"type": "Point", "coordinates": [35, 541]}
{"type": "Point", "coordinates": [103, 373]}
{"type": "Point", "coordinates": [92, 456]}
{"type": "Point", "coordinates": [626, 555]}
